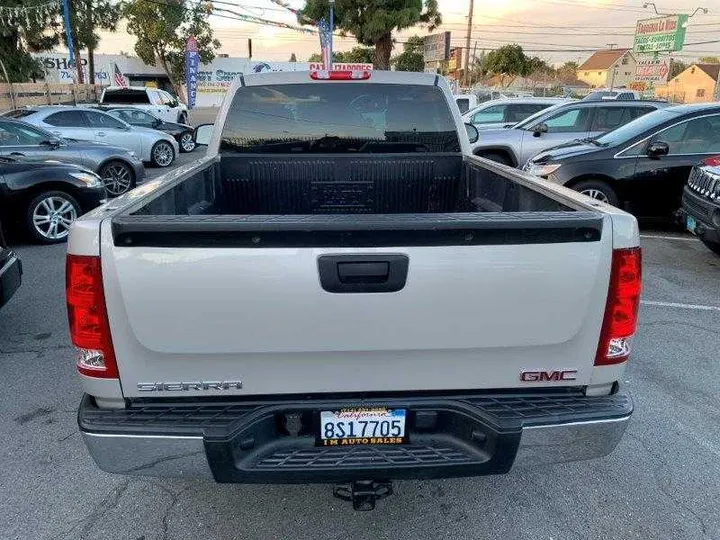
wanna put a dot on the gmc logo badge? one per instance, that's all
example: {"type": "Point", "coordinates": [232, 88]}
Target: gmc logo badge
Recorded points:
{"type": "Point", "coordinates": [548, 376]}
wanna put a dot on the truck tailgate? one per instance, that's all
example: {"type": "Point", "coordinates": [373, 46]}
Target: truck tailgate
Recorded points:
{"type": "Point", "coordinates": [471, 315]}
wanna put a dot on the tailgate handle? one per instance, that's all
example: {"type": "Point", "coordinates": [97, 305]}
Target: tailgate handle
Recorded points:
{"type": "Point", "coordinates": [363, 273]}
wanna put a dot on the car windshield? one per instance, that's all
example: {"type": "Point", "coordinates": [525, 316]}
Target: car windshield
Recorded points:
{"type": "Point", "coordinates": [336, 117]}
{"type": "Point", "coordinates": [637, 127]}
{"type": "Point", "coordinates": [532, 120]}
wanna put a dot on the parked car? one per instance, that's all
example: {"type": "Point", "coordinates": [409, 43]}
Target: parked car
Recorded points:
{"type": "Point", "coordinates": [44, 198]}
{"type": "Point", "coordinates": [431, 315]}
{"type": "Point", "coordinates": [557, 125]}
{"type": "Point", "coordinates": [621, 95]}
{"type": "Point", "coordinates": [120, 169]}
{"type": "Point", "coordinates": [91, 124]}
{"type": "Point", "coordinates": [643, 165]}
{"type": "Point", "coordinates": [701, 202]}
{"type": "Point", "coordinates": [182, 133]}
{"type": "Point", "coordinates": [465, 102]}
{"type": "Point", "coordinates": [502, 113]}
{"type": "Point", "coordinates": [153, 100]}
{"type": "Point", "coordinates": [10, 271]}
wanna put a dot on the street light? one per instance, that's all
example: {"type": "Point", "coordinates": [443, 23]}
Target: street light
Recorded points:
{"type": "Point", "coordinates": [702, 10]}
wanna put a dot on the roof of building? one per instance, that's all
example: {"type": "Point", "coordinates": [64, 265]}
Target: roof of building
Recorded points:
{"type": "Point", "coordinates": [713, 70]}
{"type": "Point", "coordinates": [603, 59]}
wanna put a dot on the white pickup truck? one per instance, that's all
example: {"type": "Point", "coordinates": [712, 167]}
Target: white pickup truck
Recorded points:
{"type": "Point", "coordinates": [338, 292]}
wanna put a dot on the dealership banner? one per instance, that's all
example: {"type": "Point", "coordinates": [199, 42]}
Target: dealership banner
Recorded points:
{"type": "Point", "coordinates": [192, 65]}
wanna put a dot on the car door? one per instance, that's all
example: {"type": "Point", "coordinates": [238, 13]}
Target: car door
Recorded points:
{"type": "Point", "coordinates": [562, 126]}
{"type": "Point", "coordinates": [161, 105]}
{"type": "Point", "coordinates": [23, 140]}
{"type": "Point", "coordinates": [517, 112]}
{"type": "Point", "coordinates": [70, 124]}
{"type": "Point", "coordinates": [136, 117]}
{"type": "Point", "coordinates": [110, 130]}
{"type": "Point", "coordinates": [492, 114]}
{"type": "Point", "coordinates": [607, 118]}
{"type": "Point", "coordinates": [657, 185]}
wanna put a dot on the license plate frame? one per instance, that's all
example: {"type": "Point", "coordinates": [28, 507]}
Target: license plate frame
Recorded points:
{"type": "Point", "coordinates": [361, 426]}
{"type": "Point", "coordinates": [690, 224]}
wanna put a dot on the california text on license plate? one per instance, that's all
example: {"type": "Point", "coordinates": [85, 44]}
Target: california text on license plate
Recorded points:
{"type": "Point", "coordinates": [362, 426]}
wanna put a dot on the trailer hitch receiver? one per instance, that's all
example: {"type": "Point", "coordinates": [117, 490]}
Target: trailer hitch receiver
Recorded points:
{"type": "Point", "coordinates": [363, 493]}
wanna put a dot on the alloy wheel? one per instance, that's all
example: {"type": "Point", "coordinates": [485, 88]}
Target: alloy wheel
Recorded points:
{"type": "Point", "coordinates": [53, 216]}
{"type": "Point", "coordinates": [186, 142]}
{"type": "Point", "coordinates": [596, 194]}
{"type": "Point", "coordinates": [163, 154]}
{"type": "Point", "coordinates": [117, 179]}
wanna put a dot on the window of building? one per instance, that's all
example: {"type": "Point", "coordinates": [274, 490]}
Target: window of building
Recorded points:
{"type": "Point", "coordinates": [599, 72]}
{"type": "Point", "coordinates": [692, 71]}
{"type": "Point", "coordinates": [587, 73]}
{"type": "Point", "coordinates": [624, 61]}
{"type": "Point", "coordinates": [700, 92]}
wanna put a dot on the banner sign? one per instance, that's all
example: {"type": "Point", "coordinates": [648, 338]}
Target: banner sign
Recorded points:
{"type": "Point", "coordinates": [342, 66]}
{"type": "Point", "coordinates": [192, 64]}
{"type": "Point", "coordinates": [661, 34]}
{"type": "Point", "coordinates": [436, 47]}
{"type": "Point", "coordinates": [654, 71]}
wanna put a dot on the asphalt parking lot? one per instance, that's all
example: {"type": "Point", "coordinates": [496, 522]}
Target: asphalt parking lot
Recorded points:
{"type": "Point", "coordinates": [663, 481]}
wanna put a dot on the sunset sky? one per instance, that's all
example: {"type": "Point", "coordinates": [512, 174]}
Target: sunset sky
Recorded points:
{"type": "Point", "coordinates": [556, 30]}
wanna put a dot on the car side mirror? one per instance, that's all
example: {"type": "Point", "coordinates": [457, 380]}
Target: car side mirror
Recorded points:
{"type": "Point", "coordinates": [657, 149]}
{"type": "Point", "coordinates": [52, 142]}
{"type": "Point", "coordinates": [157, 122]}
{"type": "Point", "coordinates": [539, 129]}
{"type": "Point", "coordinates": [203, 134]}
{"type": "Point", "coordinates": [472, 133]}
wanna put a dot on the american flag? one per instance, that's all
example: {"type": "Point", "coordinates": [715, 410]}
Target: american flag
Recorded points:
{"type": "Point", "coordinates": [119, 78]}
{"type": "Point", "coordinates": [325, 43]}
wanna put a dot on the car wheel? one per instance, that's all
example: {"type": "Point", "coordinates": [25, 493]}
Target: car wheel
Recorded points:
{"type": "Point", "coordinates": [50, 215]}
{"type": "Point", "coordinates": [497, 158]}
{"type": "Point", "coordinates": [713, 246]}
{"type": "Point", "coordinates": [118, 178]}
{"type": "Point", "coordinates": [187, 143]}
{"type": "Point", "coordinates": [598, 190]}
{"type": "Point", "coordinates": [162, 154]}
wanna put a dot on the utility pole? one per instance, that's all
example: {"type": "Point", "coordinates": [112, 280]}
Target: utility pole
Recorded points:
{"type": "Point", "coordinates": [466, 71]}
{"type": "Point", "coordinates": [472, 63]}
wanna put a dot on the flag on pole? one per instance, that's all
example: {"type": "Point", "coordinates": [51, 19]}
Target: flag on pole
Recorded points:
{"type": "Point", "coordinates": [325, 43]}
{"type": "Point", "coordinates": [119, 78]}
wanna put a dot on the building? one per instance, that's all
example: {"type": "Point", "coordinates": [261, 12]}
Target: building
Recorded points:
{"type": "Point", "coordinates": [697, 84]}
{"type": "Point", "coordinates": [609, 68]}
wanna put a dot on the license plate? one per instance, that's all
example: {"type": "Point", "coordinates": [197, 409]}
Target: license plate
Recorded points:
{"type": "Point", "coordinates": [691, 224]}
{"type": "Point", "coordinates": [354, 426]}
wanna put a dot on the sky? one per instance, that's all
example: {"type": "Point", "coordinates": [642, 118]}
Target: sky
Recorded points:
{"type": "Point", "coordinates": [555, 30]}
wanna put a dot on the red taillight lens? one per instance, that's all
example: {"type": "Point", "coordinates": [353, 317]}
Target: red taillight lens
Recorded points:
{"type": "Point", "coordinates": [87, 315]}
{"type": "Point", "coordinates": [622, 307]}
{"type": "Point", "coordinates": [713, 161]}
{"type": "Point", "coordinates": [339, 75]}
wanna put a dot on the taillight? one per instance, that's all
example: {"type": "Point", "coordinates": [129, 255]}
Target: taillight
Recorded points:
{"type": "Point", "coordinates": [87, 315]}
{"type": "Point", "coordinates": [339, 75]}
{"type": "Point", "coordinates": [622, 307]}
{"type": "Point", "coordinates": [712, 161]}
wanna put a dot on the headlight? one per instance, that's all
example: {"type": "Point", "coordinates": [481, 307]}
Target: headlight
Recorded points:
{"type": "Point", "coordinates": [543, 169]}
{"type": "Point", "coordinates": [91, 179]}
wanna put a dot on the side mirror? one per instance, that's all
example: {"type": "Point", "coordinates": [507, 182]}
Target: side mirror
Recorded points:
{"type": "Point", "coordinates": [157, 122]}
{"type": "Point", "coordinates": [472, 133]}
{"type": "Point", "coordinates": [203, 134]}
{"type": "Point", "coordinates": [539, 129]}
{"type": "Point", "coordinates": [657, 149]}
{"type": "Point", "coordinates": [52, 142]}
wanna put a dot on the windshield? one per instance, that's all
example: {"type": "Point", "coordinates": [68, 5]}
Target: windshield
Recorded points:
{"type": "Point", "coordinates": [532, 120]}
{"type": "Point", "coordinates": [637, 127]}
{"type": "Point", "coordinates": [339, 117]}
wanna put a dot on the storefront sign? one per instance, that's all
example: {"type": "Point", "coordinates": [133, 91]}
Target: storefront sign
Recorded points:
{"type": "Point", "coordinates": [661, 34]}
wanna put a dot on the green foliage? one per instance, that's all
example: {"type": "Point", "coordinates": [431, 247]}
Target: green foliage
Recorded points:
{"type": "Point", "coordinates": [358, 55]}
{"type": "Point", "coordinates": [18, 38]}
{"type": "Point", "coordinates": [411, 59]}
{"type": "Point", "coordinates": [677, 67]}
{"type": "Point", "coordinates": [508, 62]}
{"type": "Point", "coordinates": [293, 58]}
{"type": "Point", "coordinates": [162, 31]}
{"type": "Point", "coordinates": [89, 16]}
{"type": "Point", "coordinates": [372, 22]}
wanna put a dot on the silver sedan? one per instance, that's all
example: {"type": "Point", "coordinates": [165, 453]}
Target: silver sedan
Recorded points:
{"type": "Point", "coordinates": [120, 169]}
{"type": "Point", "coordinates": [88, 124]}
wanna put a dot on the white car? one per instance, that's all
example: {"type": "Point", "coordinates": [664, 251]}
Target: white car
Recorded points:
{"type": "Point", "coordinates": [153, 100]}
{"type": "Point", "coordinates": [88, 124]}
{"type": "Point", "coordinates": [500, 113]}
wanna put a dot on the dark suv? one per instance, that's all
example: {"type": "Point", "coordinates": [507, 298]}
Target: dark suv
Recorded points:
{"type": "Point", "coordinates": [701, 202]}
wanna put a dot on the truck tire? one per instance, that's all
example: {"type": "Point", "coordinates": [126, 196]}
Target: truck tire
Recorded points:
{"type": "Point", "coordinates": [497, 157]}
{"type": "Point", "coordinates": [597, 189]}
{"type": "Point", "coordinates": [712, 246]}
{"type": "Point", "coordinates": [49, 215]}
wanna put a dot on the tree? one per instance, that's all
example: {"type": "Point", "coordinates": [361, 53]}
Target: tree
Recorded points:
{"type": "Point", "coordinates": [19, 36]}
{"type": "Point", "coordinates": [162, 30]}
{"type": "Point", "coordinates": [293, 58]}
{"type": "Point", "coordinates": [508, 62]}
{"type": "Point", "coordinates": [677, 67]}
{"type": "Point", "coordinates": [357, 55]}
{"type": "Point", "coordinates": [372, 22]}
{"type": "Point", "coordinates": [90, 16]}
{"type": "Point", "coordinates": [710, 60]}
{"type": "Point", "coordinates": [567, 73]}
{"type": "Point", "coordinates": [411, 59]}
